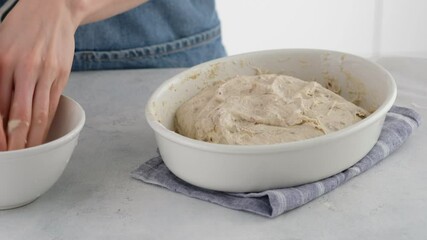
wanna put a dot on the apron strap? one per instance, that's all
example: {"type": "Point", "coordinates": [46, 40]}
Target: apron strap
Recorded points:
{"type": "Point", "coordinates": [6, 8]}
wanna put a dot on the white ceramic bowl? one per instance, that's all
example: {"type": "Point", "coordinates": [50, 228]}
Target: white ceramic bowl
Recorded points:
{"type": "Point", "coordinates": [26, 174]}
{"type": "Point", "coordinates": [260, 167]}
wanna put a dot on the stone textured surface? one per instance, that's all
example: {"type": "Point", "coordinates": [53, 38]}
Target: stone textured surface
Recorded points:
{"type": "Point", "coordinates": [97, 199]}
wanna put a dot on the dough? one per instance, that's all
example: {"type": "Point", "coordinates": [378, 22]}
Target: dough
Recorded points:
{"type": "Point", "coordinates": [264, 109]}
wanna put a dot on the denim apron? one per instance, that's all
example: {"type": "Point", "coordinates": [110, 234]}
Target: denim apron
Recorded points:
{"type": "Point", "coordinates": [157, 34]}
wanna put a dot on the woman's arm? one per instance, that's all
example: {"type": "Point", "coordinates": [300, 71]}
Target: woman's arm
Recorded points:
{"type": "Point", "coordinates": [36, 54]}
{"type": "Point", "coordinates": [88, 11]}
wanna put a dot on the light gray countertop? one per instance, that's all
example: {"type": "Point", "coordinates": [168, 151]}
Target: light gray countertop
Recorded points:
{"type": "Point", "coordinates": [97, 199]}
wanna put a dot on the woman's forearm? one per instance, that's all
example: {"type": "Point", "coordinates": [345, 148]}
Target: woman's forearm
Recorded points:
{"type": "Point", "coordinates": [88, 11]}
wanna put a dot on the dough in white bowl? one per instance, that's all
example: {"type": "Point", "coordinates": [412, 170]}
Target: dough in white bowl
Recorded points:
{"type": "Point", "coordinates": [264, 109]}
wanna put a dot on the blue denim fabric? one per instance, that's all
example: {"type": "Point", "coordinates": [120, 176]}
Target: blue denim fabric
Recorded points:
{"type": "Point", "coordinates": [157, 34]}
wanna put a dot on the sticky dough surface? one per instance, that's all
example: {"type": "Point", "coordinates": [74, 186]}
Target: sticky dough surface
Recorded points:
{"type": "Point", "coordinates": [264, 109]}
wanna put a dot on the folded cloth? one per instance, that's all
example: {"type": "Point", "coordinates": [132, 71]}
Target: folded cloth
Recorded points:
{"type": "Point", "coordinates": [398, 125]}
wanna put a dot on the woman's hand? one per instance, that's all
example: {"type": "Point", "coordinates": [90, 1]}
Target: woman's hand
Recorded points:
{"type": "Point", "coordinates": [36, 54]}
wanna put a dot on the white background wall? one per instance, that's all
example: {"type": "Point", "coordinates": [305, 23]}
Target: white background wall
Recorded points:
{"type": "Point", "coordinates": [371, 28]}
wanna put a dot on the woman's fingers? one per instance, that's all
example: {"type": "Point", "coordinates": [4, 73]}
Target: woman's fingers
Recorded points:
{"type": "Point", "coordinates": [20, 110]}
{"type": "Point", "coordinates": [6, 80]}
{"type": "Point", "coordinates": [6, 74]}
{"type": "Point", "coordinates": [55, 95]}
{"type": "Point", "coordinates": [41, 101]}
{"type": "Point", "coordinates": [46, 98]}
{"type": "Point", "coordinates": [3, 141]}
{"type": "Point", "coordinates": [40, 113]}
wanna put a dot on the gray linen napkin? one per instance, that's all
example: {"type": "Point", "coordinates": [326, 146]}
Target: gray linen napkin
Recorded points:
{"type": "Point", "coordinates": [399, 124]}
